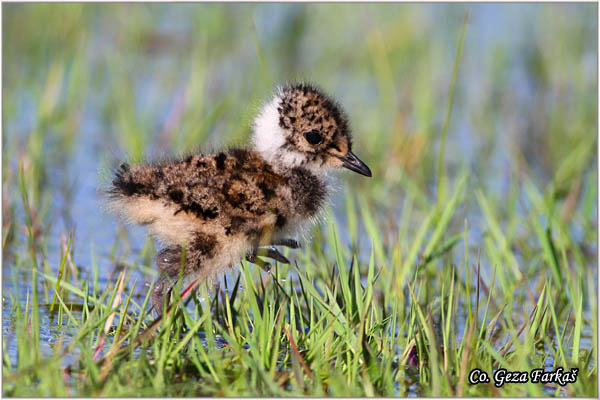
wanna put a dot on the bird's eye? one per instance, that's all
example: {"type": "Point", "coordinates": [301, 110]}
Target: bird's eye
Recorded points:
{"type": "Point", "coordinates": [313, 137]}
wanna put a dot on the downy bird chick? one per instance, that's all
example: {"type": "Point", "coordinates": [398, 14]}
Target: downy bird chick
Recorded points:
{"type": "Point", "coordinates": [226, 206]}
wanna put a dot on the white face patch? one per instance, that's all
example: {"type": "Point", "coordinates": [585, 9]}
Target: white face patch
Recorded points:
{"type": "Point", "coordinates": [268, 136]}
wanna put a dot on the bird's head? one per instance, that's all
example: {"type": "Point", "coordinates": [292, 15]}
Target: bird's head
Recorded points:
{"type": "Point", "coordinates": [301, 126]}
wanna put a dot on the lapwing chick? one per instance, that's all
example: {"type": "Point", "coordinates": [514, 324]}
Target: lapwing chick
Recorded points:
{"type": "Point", "coordinates": [242, 202]}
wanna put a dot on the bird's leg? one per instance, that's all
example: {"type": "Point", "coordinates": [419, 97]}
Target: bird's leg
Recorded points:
{"type": "Point", "coordinates": [169, 260]}
{"type": "Point", "coordinates": [291, 243]}
{"type": "Point", "coordinates": [169, 263]}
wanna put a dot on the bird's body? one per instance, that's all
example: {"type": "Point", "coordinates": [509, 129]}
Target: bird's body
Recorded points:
{"type": "Point", "coordinates": [224, 206]}
{"type": "Point", "coordinates": [218, 205]}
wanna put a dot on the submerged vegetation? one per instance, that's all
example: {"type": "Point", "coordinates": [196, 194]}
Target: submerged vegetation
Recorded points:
{"type": "Point", "coordinates": [474, 245]}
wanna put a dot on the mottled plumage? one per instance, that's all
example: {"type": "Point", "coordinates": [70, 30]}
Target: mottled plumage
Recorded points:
{"type": "Point", "coordinates": [228, 205]}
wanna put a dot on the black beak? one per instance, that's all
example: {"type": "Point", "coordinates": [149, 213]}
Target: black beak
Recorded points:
{"type": "Point", "coordinates": [354, 163]}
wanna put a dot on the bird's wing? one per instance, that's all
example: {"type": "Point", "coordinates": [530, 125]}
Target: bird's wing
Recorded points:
{"type": "Point", "coordinates": [171, 200]}
{"type": "Point", "coordinates": [222, 194]}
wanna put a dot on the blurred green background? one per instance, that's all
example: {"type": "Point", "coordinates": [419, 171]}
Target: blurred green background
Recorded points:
{"type": "Point", "coordinates": [87, 84]}
{"type": "Point", "coordinates": [83, 82]}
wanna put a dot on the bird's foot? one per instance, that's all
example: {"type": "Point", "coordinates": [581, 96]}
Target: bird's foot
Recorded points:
{"type": "Point", "coordinates": [270, 252]}
{"type": "Point", "coordinates": [273, 253]}
{"type": "Point", "coordinates": [291, 243]}
{"type": "Point", "coordinates": [162, 292]}
{"type": "Point", "coordinates": [251, 256]}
